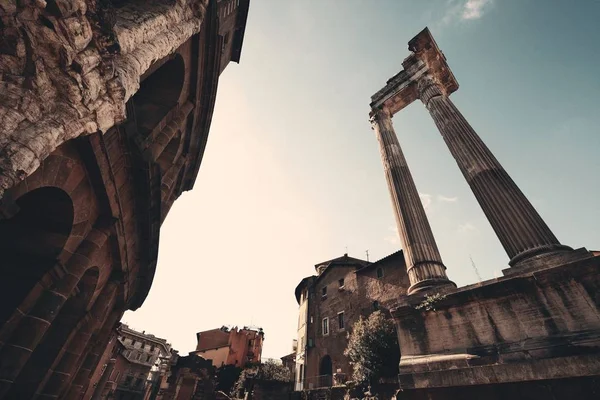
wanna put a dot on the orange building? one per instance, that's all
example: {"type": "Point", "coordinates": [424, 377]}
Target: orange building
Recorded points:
{"type": "Point", "coordinates": [225, 346]}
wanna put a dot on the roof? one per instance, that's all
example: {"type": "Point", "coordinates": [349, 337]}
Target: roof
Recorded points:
{"type": "Point", "coordinates": [212, 339]}
{"type": "Point", "coordinates": [324, 266]}
{"type": "Point", "coordinates": [380, 261]}
{"type": "Point", "coordinates": [343, 260]}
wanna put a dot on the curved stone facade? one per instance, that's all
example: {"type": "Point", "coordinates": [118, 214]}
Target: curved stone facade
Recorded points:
{"type": "Point", "coordinates": [105, 109]}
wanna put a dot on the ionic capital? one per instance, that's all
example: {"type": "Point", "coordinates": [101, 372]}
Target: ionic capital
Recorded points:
{"type": "Point", "coordinates": [428, 87]}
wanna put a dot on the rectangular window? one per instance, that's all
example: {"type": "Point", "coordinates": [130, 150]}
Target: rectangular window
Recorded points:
{"type": "Point", "coordinates": [379, 272]}
{"type": "Point", "coordinates": [341, 320]}
{"type": "Point", "coordinates": [325, 326]}
{"type": "Point", "coordinates": [341, 282]}
{"type": "Point", "coordinates": [128, 380]}
{"type": "Point", "coordinates": [324, 292]}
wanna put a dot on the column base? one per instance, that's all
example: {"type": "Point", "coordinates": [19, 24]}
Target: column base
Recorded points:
{"type": "Point", "coordinates": [545, 257]}
{"type": "Point", "coordinates": [430, 285]}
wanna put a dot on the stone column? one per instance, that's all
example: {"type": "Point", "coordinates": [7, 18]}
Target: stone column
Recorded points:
{"type": "Point", "coordinates": [521, 230]}
{"type": "Point", "coordinates": [423, 261]}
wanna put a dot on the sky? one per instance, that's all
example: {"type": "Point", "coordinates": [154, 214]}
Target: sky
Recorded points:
{"type": "Point", "coordinates": [292, 174]}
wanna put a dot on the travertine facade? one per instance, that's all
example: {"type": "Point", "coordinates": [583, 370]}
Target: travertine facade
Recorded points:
{"type": "Point", "coordinates": [105, 109]}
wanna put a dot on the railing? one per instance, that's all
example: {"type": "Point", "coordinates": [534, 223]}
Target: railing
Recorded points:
{"type": "Point", "coordinates": [315, 382]}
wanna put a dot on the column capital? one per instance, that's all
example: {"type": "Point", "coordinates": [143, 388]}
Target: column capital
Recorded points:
{"type": "Point", "coordinates": [379, 115]}
{"type": "Point", "coordinates": [429, 87]}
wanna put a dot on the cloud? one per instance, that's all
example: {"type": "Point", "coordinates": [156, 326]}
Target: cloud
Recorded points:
{"type": "Point", "coordinates": [474, 9]}
{"type": "Point", "coordinates": [466, 227]}
{"type": "Point", "coordinates": [446, 199]}
{"type": "Point", "coordinates": [426, 199]}
{"type": "Point", "coordinates": [461, 10]}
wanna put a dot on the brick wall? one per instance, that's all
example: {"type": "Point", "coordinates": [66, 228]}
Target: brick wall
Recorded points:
{"type": "Point", "coordinates": [361, 288]}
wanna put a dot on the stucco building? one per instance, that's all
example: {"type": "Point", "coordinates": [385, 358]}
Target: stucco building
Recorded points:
{"type": "Point", "coordinates": [231, 346]}
{"type": "Point", "coordinates": [330, 302]}
{"type": "Point", "coordinates": [134, 368]}
{"type": "Point", "coordinates": [105, 109]}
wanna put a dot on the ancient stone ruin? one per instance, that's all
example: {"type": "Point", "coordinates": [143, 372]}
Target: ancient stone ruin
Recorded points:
{"type": "Point", "coordinates": [105, 109]}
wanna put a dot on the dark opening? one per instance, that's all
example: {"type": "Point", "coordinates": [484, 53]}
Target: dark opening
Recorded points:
{"type": "Point", "coordinates": [325, 371]}
{"type": "Point", "coordinates": [158, 94]}
{"type": "Point", "coordinates": [30, 242]}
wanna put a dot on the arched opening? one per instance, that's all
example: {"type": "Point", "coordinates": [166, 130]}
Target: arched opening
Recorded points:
{"type": "Point", "coordinates": [30, 243]}
{"type": "Point", "coordinates": [63, 328]}
{"type": "Point", "coordinates": [325, 372]}
{"type": "Point", "coordinates": [169, 154]}
{"type": "Point", "coordinates": [158, 94]}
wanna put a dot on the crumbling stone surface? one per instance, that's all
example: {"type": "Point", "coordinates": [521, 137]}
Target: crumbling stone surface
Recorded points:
{"type": "Point", "coordinates": [67, 67]}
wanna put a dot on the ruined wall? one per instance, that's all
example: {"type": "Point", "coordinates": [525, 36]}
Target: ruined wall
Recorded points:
{"type": "Point", "coordinates": [537, 326]}
{"type": "Point", "coordinates": [68, 67]}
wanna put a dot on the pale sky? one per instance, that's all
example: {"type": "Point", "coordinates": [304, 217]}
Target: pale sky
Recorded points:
{"type": "Point", "coordinates": [292, 175]}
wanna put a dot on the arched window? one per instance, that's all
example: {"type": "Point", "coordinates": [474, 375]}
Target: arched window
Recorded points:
{"type": "Point", "coordinates": [158, 94]}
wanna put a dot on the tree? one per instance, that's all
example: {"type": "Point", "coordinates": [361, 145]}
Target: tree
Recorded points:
{"type": "Point", "coordinates": [227, 376]}
{"type": "Point", "coordinates": [269, 371]}
{"type": "Point", "coordinates": [373, 349]}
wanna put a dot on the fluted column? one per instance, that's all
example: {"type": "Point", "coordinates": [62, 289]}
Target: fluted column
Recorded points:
{"type": "Point", "coordinates": [521, 230]}
{"type": "Point", "coordinates": [423, 261]}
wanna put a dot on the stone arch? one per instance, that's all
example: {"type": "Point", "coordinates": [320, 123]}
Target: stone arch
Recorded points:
{"type": "Point", "coordinates": [158, 94]}
{"type": "Point", "coordinates": [63, 169]}
{"type": "Point", "coordinates": [63, 328]}
{"type": "Point", "coordinates": [31, 242]}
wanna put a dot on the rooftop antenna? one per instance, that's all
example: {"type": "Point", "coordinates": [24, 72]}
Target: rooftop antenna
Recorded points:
{"type": "Point", "coordinates": [367, 251]}
{"type": "Point", "coordinates": [475, 268]}
{"type": "Point", "coordinates": [346, 247]}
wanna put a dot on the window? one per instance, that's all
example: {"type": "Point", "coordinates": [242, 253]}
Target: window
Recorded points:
{"type": "Point", "coordinates": [341, 320]}
{"type": "Point", "coordinates": [325, 326]}
{"type": "Point", "coordinates": [341, 282]}
{"type": "Point", "coordinates": [324, 292]}
{"type": "Point", "coordinates": [375, 305]}
{"type": "Point", "coordinates": [311, 319]}
{"type": "Point", "coordinates": [310, 342]}
{"type": "Point", "coordinates": [139, 382]}
{"type": "Point", "coordinates": [251, 343]}
{"type": "Point", "coordinates": [379, 273]}
{"type": "Point", "coordinates": [128, 380]}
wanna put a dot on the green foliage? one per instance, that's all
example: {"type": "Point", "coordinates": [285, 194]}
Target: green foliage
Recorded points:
{"type": "Point", "coordinates": [269, 371]}
{"type": "Point", "coordinates": [373, 349]}
{"type": "Point", "coordinates": [429, 303]}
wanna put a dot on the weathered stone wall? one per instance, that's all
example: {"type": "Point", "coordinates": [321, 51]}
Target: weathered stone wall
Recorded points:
{"type": "Point", "coordinates": [536, 326]}
{"type": "Point", "coordinates": [68, 67]}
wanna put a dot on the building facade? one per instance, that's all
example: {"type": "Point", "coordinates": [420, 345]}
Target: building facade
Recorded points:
{"type": "Point", "coordinates": [231, 346]}
{"type": "Point", "coordinates": [330, 302]}
{"type": "Point", "coordinates": [105, 109]}
{"type": "Point", "coordinates": [138, 360]}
